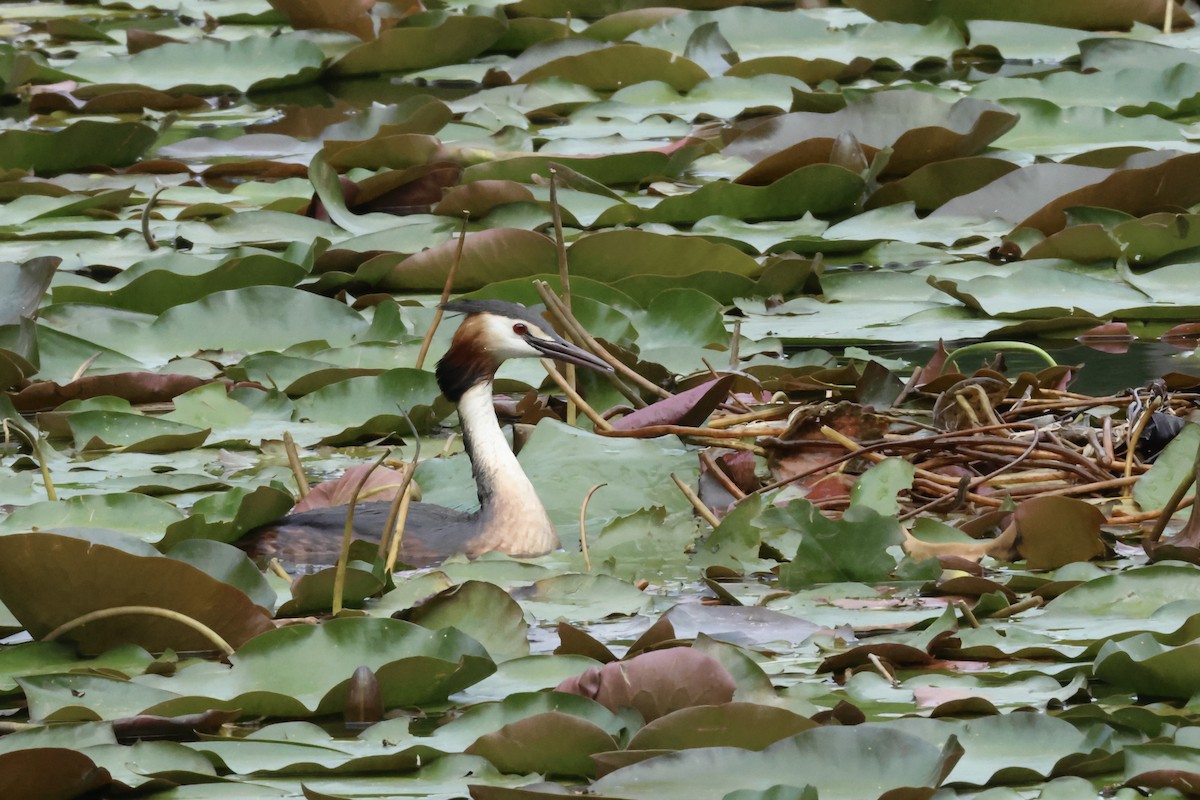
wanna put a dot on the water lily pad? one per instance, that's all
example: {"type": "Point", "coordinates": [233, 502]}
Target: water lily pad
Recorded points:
{"type": "Point", "coordinates": [480, 610]}
{"type": "Point", "coordinates": [453, 39]}
{"type": "Point", "coordinates": [35, 565]}
{"type": "Point", "coordinates": [841, 762]}
{"type": "Point", "coordinates": [746, 725]}
{"type": "Point", "coordinates": [274, 674]}
{"type": "Point", "coordinates": [552, 743]}
{"type": "Point", "coordinates": [252, 62]}
{"type": "Point", "coordinates": [83, 144]}
{"type": "Point", "coordinates": [920, 129]}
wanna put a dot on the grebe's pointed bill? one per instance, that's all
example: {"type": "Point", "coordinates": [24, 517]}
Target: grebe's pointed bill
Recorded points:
{"type": "Point", "coordinates": [565, 351]}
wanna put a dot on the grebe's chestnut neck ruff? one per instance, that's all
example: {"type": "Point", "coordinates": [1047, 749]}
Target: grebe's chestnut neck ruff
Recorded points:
{"type": "Point", "coordinates": [510, 518]}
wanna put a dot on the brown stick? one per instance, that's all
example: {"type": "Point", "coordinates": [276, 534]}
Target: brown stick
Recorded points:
{"type": "Point", "coordinates": [446, 290]}
{"type": "Point", "coordinates": [599, 423]}
{"type": "Point", "coordinates": [719, 474]}
{"type": "Point", "coordinates": [581, 335]}
{"type": "Point", "coordinates": [701, 509]}
{"type": "Point", "coordinates": [564, 275]}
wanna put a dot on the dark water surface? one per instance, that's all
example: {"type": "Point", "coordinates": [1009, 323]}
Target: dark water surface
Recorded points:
{"type": "Point", "coordinates": [1100, 374]}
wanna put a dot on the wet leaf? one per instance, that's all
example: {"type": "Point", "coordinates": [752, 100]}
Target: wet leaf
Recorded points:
{"type": "Point", "coordinates": [552, 743]}
{"type": "Point", "coordinates": [36, 564]}
{"type": "Point", "coordinates": [1058, 530]}
{"type": "Point", "coordinates": [274, 674]}
{"type": "Point", "coordinates": [453, 39]}
{"type": "Point", "coordinates": [655, 683]}
{"type": "Point", "coordinates": [746, 725]}
{"type": "Point", "coordinates": [480, 610]}
{"type": "Point", "coordinates": [87, 143]}
{"type": "Point", "coordinates": [853, 548]}
{"type": "Point", "coordinates": [882, 762]}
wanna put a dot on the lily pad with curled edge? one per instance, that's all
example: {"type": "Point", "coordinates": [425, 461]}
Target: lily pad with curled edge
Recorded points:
{"type": "Point", "coordinates": [656, 683]}
{"type": "Point", "coordinates": [1141, 664]}
{"type": "Point", "coordinates": [919, 127]}
{"type": "Point", "coordinates": [140, 515]}
{"type": "Point", "coordinates": [842, 762]}
{"type": "Point", "coordinates": [302, 670]}
{"type": "Point", "coordinates": [136, 433]}
{"type": "Point", "coordinates": [1054, 531]}
{"type": "Point", "coordinates": [487, 256]}
{"type": "Point", "coordinates": [481, 610]}
{"type": "Point", "coordinates": [1004, 748]}
{"type": "Point", "coordinates": [81, 144]}
{"type": "Point", "coordinates": [747, 725]}
{"type": "Point", "coordinates": [56, 771]}
{"type": "Point", "coordinates": [37, 568]}
{"type": "Point", "coordinates": [409, 47]}
{"type": "Point", "coordinates": [551, 743]}
{"type": "Point", "coordinates": [603, 67]}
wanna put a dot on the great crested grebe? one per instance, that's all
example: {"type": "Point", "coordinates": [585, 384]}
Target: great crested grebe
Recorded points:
{"type": "Point", "coordinates": [510, 518]}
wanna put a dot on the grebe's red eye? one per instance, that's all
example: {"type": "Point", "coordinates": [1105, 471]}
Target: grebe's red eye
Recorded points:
{"type": "Point", "coordinates": [520, 329]}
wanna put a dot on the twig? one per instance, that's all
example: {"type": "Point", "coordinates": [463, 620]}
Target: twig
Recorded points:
{"type": "Point", "coordinates": [34, 440]}
{"type": "Point", "coordinates": [1017, 608]}
{"type": "Point", "coordinates": [393, 529]}
{"type": "Point", "coordinates": [147, 235]}
{"type": "Point", "coordinates": [651, 431]}
{"type": "Point", "coordinates": [1168, 510]}
{"type": "Point", "coordinates": [339, 570]}
{"type": "Point", "coordinates": [583, 543]}
{"type": "Point", "coordinates": [735, 344]}
{"type": "Point", "coordinates": [564, 275]}
{"type": "Point", "coordinates": [580, 334]}
{"type": "Point", "coordinates": [701, 509]}
{"type": "Point", "coordinates": [289, 447]}
{"type": "Point", "coordinates": [882, 670]}
{"type": "Point", "coordinates": [715, 470]}
{"type": "Point", "coordinates": [772, 412]}
{"type": "Point", "coordinates": [875, 447]}
{"type": "Point", "coordinates": [85, 365]}
{"type": "Point", "coordinates": [153, 611]}
{"type": "Point", "coordinates": [447, 288]}
{"type": "Point", "coordinates": [1146, 516]}
{"type": "Point", "coordinates": [967, 614]}
{"type": "Point", "coordinates": [599, 423]}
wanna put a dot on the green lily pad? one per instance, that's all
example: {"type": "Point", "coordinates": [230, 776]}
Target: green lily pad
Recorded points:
{"type": "Point", "coordinates": [83, 144]}
{"type": "Point", "coordinates": [841, 762]}
{"type": "Point", "coordinates": [277, 673]}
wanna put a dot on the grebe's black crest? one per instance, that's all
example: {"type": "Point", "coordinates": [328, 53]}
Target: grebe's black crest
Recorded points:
{"type": "Point", "coordinates": [493, 331]}
{"type": "Point", "coordinates": [501, 308]}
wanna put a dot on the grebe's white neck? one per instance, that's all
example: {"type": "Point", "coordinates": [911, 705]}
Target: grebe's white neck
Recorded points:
{"type": "Point", "coordinates": [509, 508]}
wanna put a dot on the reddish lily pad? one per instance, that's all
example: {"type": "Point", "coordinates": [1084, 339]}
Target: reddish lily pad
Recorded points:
{"type": "Point", "coordinates": [656, 683]}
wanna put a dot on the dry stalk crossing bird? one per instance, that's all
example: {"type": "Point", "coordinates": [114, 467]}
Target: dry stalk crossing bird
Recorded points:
{"type": "Point", "coordinates": [510, 517]}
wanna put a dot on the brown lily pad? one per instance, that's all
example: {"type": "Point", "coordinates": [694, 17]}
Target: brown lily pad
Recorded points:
{"type": "Point", "coordinates": [49, 773]}
{"type": "Point", "coordinates": [47, 579]}
{"type": "Point", "coordinates": [1055, 531]}
{"type": "Point", "coordinates": [656, 683]}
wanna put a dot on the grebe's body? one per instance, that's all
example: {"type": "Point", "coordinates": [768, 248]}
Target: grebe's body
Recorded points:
{"type": "Point", "coordinates": [510, 518]}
